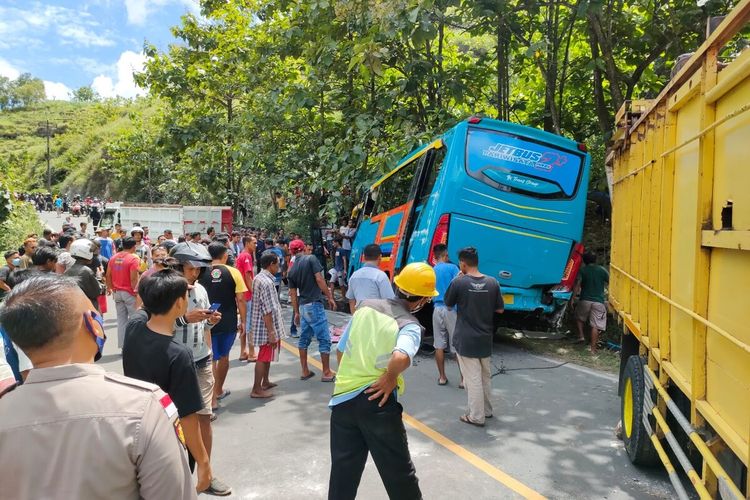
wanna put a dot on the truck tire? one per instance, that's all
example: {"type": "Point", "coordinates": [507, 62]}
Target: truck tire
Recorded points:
{"type": "Point", "coordinates": [634, 433]}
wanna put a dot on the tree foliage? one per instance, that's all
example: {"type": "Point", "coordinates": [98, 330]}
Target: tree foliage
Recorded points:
{"type": "Point", "coordinates": [21, 92]}
{"type": "Point", "coordinates": [313, 99]}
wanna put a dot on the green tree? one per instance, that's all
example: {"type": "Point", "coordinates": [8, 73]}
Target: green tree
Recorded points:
{"type": "Point", "coordinates": [27, 90]}
{"type": "Point", "coordinates": [85, 94]}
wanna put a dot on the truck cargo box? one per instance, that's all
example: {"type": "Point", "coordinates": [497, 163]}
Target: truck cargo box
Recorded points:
{"type": "Point", "coordinates": [680, 265]}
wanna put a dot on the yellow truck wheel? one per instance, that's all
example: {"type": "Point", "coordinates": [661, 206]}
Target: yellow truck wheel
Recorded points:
{"type": "Point", "coordinates": [634, 432]}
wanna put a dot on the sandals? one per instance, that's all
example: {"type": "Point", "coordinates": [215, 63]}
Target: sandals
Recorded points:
{"type": "Point", "coordinates": [328, 379]}
{"type": "Point", "coordinates": [465, 419]}
{"type": "Point", "coordinates": [445, 382]}
{"type": "Point", "coordinates": [308, 376]}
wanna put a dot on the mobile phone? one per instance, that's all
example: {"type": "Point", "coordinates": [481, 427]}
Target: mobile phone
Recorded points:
{"type": "Point", "coordinates": [214, 307]}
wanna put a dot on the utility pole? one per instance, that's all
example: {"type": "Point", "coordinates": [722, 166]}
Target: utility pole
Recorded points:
{"type": "Point", "coordinates": [47, 129]}
{"type": "Point", "coordinates": [49, 168]}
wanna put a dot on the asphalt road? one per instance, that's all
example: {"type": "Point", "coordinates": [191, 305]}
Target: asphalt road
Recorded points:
{"type": "Point", "coordinates": [552, 436]}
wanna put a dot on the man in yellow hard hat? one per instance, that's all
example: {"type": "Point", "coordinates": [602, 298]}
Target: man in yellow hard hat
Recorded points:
{"type": "Point", "coordinates": [376, 348]}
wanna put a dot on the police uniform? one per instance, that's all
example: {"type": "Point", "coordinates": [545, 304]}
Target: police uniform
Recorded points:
{"type": "Point", "coordinates": [76, 431]}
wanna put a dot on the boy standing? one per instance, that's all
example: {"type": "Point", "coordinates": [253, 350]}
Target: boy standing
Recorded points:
{"type": "Point", "coordinates": [478, 298]}
{"type": "Point", "coordinates": [340, 265]}
{"type": "Point", "coordinates": [591, 308]}
{"type": "Point", "coordinates": [443, 317]}
{"type": "Point", "coordinates": [268, 325]}
{"type": "Point", "coordinates": [151, 354]}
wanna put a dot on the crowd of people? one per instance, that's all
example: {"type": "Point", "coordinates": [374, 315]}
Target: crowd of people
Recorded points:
{"type": "Point", "coordinates": [181, 304]}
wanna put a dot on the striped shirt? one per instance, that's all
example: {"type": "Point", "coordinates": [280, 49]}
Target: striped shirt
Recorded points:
{"type": "Point", "coordinates": [265, 301]}
{"type": "Point", "coordinates": [192, 334]}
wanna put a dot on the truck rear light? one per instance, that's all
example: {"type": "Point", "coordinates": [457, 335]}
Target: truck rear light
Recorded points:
{"type": "Point", "coordinates": [571, 269]}
{"type": "Point", "coordinates": [440, 236]}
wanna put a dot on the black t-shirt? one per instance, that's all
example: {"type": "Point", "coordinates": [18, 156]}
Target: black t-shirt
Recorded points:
{"type": "Point", "coordinates": [222, 287]}
{"type": "Point", "coordinates": [477, 299]}
{"type": "Point", "coordinates": [159, 359]}
{"type": "Point", "coordinates": [302, 277]}
{"type": "Point", "coordinates": [4, 275]}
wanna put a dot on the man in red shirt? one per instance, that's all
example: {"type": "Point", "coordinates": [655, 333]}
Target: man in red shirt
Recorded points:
{"type": "Point", "coordinates": [122, 283]}
{"type": "Point", "coordinates": [246, 265]}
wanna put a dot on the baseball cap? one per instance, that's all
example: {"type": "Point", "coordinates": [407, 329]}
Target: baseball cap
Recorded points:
{"type": "Point", "coordinates": [296, 246]}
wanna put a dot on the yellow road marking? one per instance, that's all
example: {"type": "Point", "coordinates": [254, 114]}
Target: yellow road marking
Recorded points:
{"type": "Point", "coordinates": [455, 448]}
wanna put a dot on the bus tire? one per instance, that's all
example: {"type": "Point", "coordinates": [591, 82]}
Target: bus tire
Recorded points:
{"type": "Point", "coordinates": [638, 443]}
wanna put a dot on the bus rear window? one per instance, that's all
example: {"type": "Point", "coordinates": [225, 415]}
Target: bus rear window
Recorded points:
{"type": "Point", "coordinates": [511, 163]}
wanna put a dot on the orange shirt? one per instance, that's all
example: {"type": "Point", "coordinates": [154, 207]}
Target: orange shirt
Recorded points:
{"type": "Point", "coordinates": [121, 264]}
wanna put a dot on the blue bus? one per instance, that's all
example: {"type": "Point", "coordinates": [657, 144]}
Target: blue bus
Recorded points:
{"type": "Point", "coordinates": [516, 193]}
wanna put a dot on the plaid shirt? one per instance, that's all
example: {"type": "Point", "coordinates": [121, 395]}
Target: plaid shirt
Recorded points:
{"type": "Point", "coordinates": [265, 301]}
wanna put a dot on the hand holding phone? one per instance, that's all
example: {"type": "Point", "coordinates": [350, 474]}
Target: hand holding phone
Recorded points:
{"type": "Point", "coordinates": [214, 307]}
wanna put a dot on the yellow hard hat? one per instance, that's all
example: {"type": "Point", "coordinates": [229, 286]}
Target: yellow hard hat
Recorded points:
{"type": "Point", "coordinates": [417, 279]}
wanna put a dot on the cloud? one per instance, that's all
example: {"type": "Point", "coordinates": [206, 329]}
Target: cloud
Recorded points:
{"type": "Point", "coordinates": [35, 23]}
{"type": "Point", "coordinates": [57, 91]}
{"type": "Point", "coordinates": [123, 84]}
{"type": "Point", "coordinates": [81, 36]}
{"type": "Point", "coordinates": [7, 70]}
{"type": "Point", "coordinates": [139, 10]}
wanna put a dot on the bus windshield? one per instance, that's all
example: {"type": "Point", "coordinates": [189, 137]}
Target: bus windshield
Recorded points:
{"type": "Point", "coordinates": [511, 163]}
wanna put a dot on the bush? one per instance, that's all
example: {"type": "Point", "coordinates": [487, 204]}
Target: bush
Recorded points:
{"type": "Point", "coordinates": [23, 221]}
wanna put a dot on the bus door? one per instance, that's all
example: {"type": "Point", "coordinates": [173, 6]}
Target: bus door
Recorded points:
{"type": "Point", "coordinates": [421, 192]}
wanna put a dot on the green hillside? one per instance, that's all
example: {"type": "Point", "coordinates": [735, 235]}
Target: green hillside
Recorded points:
{"type": "Point", "coordinates": [80, 133]}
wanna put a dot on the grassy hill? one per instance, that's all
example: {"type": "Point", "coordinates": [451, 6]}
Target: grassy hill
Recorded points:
{"type": "Point", "coordinates": [80, 133]}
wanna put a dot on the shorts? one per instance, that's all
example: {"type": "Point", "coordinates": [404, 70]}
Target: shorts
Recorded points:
{"type": "Point", "coordinates": [221, 344]}
{"type": "Point", "coordinates": [313, 321]}
{"type": "Point", "coordinates": [206, 384]}
{"type": "Point", "coordinates": [337, 277]}
{"type": "Point", "coordinates": [268, 353]}
{"type": "Point", "coordinates": [595, 313]}
{"type": "Point", "coordinates": [249, 320]}
{"type": "Point", "coordinates": [443, 326]}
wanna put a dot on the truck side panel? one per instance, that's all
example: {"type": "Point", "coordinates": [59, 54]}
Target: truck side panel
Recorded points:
{"type": "Point", "coordinates": [680, 260]}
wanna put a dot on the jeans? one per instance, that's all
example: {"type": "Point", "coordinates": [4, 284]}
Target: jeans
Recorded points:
{"type": "Point", "coordinates": [125, 306]}
{"type": "Point", "coordinates": [359, 426]}
{"type": "Point", "coordinates": [313, 321]}
{"type": "Point", "coordinates": [477, 380]}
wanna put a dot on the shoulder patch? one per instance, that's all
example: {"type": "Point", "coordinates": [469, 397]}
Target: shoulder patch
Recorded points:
{"type": "Point", "coordinates": [140, 384]}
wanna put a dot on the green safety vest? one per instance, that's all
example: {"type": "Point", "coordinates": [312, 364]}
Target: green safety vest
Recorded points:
{"type": "Point", "coordinates": [372, 338]}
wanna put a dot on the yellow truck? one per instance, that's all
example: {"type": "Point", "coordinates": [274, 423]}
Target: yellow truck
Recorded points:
{"type": "Point", "coordinates": [679, 170]}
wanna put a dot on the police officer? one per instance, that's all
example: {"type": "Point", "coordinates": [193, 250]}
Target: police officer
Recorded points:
{"type": "Point", "coordinates": [377, 346]}
{"type": "Point", "coordinates": [73, 430]}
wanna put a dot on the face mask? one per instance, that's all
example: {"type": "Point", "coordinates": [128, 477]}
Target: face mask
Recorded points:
{"type": "Point", "coordinates": [420, 306]}
{"type": "Point", "coordinates": [16, 262]}
{"type": "Point", "coordinates": [95, 325]}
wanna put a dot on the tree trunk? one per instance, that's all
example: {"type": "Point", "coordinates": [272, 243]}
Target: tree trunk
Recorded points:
{"type": "Point", "coordinates": [602, 112]}
{"type": "Point", "coordinates": [503, 83]}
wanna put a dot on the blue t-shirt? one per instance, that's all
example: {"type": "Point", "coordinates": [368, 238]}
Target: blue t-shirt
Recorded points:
{"type": "Point", "coordinates": [278, 251]}
{"type": "Point", "coordinates": [444, 273]}
{"type": "Point", "coordinates": [338, 259]}
{"type": "Point", "coordinates": [107, 247]}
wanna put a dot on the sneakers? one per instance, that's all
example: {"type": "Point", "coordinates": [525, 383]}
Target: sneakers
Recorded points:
{"type": "Point", "coordinates": [218, 488]}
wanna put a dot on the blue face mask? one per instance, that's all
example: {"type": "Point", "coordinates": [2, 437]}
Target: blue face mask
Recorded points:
{"type": "Point", "coordinates": [16, 262]}
{"type": "Point", "coordinates": [95, 325]}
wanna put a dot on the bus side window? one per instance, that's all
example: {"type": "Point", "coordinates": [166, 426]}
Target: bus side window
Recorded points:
{"type": "Point", "coordinates": [438, 156]}
{"type": "Point", "coordinates": [394, 191]}
{"type": "Point", "coordinates": [367, 211]}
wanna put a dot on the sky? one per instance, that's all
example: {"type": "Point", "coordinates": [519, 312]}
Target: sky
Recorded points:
{"type": "Point", "coordinates": [70, 44]}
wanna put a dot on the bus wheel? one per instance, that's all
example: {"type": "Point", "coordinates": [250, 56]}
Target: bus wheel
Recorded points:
{"type": "Point", "coordinates": [634, 433]}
